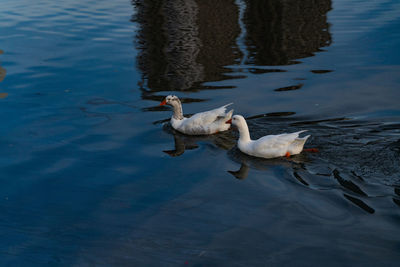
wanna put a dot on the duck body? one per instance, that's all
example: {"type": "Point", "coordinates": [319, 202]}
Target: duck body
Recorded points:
{"type": "Point", "coordinates": [203, 123]}
{"type": "Point", "coordinates": [270, 146]}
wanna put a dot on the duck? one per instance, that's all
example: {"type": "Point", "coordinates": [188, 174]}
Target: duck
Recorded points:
{"type": "Point", "coordinates": [270, 146]}
{"type": "Point", "coordinates": [203, 123]}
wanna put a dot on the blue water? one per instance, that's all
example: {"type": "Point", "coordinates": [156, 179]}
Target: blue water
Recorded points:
{"type": "Point", "coordinates": [93, 175]}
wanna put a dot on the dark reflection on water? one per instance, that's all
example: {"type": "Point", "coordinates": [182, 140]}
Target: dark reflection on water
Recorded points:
{"type": "Point", "coordinates": [249, 162]}
{"type": "Point", "coordinates": [281, 32]}
{"type": "Point", "coordinates": [223, 140]}
{"type": "Point", "coordinates": [360, 203]}
{"type": "Point", "coordinates": [289, 88]}
{"type": "Point", "coordinates": [184, 43]}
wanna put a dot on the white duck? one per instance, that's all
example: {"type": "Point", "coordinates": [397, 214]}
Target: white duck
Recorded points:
{"type": "Point", "coordinates": [208, 122]}
{"type": "Point", "coordinates": [270, 146]}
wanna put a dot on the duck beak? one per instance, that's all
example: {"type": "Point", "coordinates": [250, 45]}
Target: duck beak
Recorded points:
{"type": "Point", "coordinates": [164, 102]}
{"type": "Point", "coordinates": [229, 121]}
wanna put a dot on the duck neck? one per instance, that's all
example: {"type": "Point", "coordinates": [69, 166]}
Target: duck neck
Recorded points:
{"type": "Point", "coordinates": [244, 134]}
{"type": "Point", "coordinates": [177, 107]}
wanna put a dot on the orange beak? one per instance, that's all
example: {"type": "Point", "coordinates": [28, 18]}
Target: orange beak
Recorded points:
{"type": "Point", "coordinates": [229, 121]}
{"type": "Point", "coordinates": [164, 102]}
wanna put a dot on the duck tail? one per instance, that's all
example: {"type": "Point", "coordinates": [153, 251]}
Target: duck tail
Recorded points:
{"type": "Point", "coordinates": [300, 141]}
{"type": "Point", "coordinates": [227, 105]}
{"type": "Point", "coordinates": [303, 138]}
{"type": "Point", "coordinates": [302, 131]}
{"type": "Point", "coordinates": [229, 114]}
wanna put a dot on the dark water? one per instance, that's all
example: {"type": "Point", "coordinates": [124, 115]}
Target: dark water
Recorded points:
{"type": "Point", "coordinates": [92, 176]}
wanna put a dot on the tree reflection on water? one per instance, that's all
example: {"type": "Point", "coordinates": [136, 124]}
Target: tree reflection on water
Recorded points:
{"type": "Point", "coordinates": [185, 43]}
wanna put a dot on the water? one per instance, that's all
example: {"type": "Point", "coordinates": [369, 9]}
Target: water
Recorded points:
{"type": "Point", "coordinates": [92, 175]}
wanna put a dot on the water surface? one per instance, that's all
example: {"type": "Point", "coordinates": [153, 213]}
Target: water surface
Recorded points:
{"type": "Point", "coordinates": [92, 173]}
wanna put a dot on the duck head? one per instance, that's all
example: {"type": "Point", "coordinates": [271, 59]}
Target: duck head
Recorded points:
{"type": "Point", "coordinates": [241, 125]}
{"type": "Point", "coordinates": [173, 100]}
{"type": "Point", "coordinates": [170, 100]}
{"type": "Point", "coordinates": [237, 120]}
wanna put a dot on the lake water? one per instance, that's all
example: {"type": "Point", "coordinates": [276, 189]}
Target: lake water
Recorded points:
{"type": "Point", "coordinates": [92, 174]}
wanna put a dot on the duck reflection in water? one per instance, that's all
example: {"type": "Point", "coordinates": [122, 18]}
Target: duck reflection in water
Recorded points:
{"type": "Point", "coordinates": [247, 163]}
{"type": "Point", "coordinates": [183, 142]}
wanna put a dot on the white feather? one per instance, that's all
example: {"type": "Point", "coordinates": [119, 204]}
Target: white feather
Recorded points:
{"type": "Point", "coordinates": [270, 146]}
{"type": "Point", "coordinates": [203, 123]}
